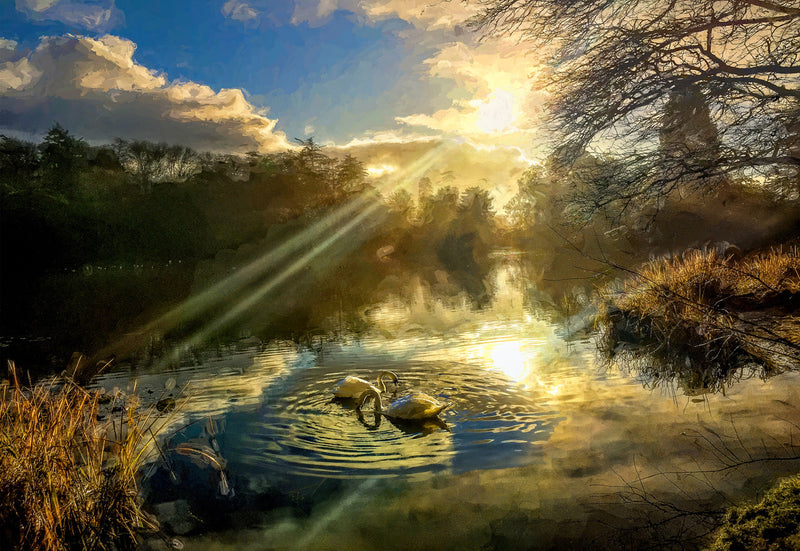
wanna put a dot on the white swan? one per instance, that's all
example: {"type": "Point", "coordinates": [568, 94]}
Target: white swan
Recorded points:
{"type": "Point", "coordinates": [353, 387]}
{"type": "Point", "coordinates": [416, 405]}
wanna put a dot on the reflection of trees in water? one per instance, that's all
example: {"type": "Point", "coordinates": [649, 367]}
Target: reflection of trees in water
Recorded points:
{"type": "Point", "coordinates": [703, 357]}
{"type": "Point", "coordinates": [682, 508]}
{"type": "Point", "coordinates": [695, 370]}
{"type": "Point", "coordinates": [695, 377]}
{"type": "Point", "coordinates": [131, 213]}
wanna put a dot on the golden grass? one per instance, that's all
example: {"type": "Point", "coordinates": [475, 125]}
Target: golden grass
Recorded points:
{"type": "Point", "coordinates": [673, 288]}
{"type": "Point", "coordinates": [68, 471]}
{"type": "Point", "coordinates": [713, 303]}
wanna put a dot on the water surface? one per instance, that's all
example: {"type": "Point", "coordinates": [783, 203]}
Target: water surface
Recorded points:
{"type": "Point", "coordinates": [543, 447]}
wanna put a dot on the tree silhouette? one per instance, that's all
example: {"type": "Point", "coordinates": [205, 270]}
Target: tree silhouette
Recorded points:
{"type": "Point", "coordinates": [621, 68]}
{"type": "Point", "coordinates": [63, 157]}
{"type": "Point", "coordinates": [19, 161]}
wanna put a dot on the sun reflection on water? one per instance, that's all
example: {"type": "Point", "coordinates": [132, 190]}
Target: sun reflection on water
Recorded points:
{"type": "Point", "coordinates": [508, 357]}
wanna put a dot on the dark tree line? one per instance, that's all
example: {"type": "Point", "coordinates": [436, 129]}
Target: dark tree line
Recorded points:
{"type": "Point", "coordinates": [96, 239]}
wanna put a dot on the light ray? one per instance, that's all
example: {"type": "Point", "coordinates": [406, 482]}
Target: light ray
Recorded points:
{"type": "Point", "coordinates": [339, 226]}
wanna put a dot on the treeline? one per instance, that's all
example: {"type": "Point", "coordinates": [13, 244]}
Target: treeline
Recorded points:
{"type": "Point", "coordinates": [583, 235]}
{"type": "Point", "coordinates": [66, 203]}
{"type": "Point", "coordinates": [79, 220]}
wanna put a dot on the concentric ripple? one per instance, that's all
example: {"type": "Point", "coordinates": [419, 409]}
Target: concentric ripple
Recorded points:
{"type": "Point", "coordinates": [302, 430]}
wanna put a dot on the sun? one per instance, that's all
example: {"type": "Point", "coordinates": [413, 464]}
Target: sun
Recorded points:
{"type": "Point", "coordinates": [496, 113]}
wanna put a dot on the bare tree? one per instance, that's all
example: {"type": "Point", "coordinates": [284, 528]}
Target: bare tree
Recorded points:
{"type": "Point", "coordinates": [629, 77]}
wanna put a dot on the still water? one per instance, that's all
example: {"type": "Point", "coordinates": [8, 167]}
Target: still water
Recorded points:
{"type": "Point", "coordinates": [544, 446]}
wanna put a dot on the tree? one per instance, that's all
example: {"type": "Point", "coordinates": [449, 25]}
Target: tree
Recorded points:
{"type": "Point", "coordinates": [157, 162]}
{"type": "Point", "coordinates": [349, 178]}
{"type": "Point", "coordinates": [621, 69]}
{"type": "Point", "coordinates": [477, 203]}
{"type": "Point", "coordinates": [141, 158]}
{"type": "Point", "coordinates": [400, 201]}
{"type": "Point", "coordinates": [19, 161]}
{"type": "Point", "coordinates": [63, 157]}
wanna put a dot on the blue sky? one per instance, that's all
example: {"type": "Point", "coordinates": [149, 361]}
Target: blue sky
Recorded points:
{"type": "Point", "coordinates": [388, 80]}
{"type": "Point", "coordinates": [307, 75]}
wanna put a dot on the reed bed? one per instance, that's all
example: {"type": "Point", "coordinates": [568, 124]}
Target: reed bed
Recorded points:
{"type": "Point", "coordinates": [713, 307]}
{"type": "Point", "coordinates": [69, 463]}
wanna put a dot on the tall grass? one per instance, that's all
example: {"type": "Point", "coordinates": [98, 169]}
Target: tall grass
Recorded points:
{"type": "Point", "coordinates": [713, 306]}
{"type": "Point", "coordinates": [69, 462]}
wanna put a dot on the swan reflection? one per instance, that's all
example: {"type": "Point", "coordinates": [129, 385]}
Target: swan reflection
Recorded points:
{"type": "Point", "coordinates": [412, 427]}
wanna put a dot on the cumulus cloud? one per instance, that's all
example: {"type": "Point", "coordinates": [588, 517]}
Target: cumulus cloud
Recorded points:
{"type": "Point", "coordinates": [428, 14]}
{"type": "Point", "coordinates": [499, 100]}
{"type": "Point", "coordinates": [95, 15]}
{"type": "Point", "coordinates": [239, 10]}
{"type": "Point", "coordinates": [94, 88]}
{"type": "Point", "coordinates": [495, 99]}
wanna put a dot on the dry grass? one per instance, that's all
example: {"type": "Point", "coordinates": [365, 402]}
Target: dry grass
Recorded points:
{"type": "Point", "coordinates": [69, 462]}
{"type": "Point", "coordinates": [714, 305]}
{"type": "Point", "coordinates": [673, 288]}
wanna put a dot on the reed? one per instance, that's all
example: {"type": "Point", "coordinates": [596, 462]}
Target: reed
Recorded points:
{"type": "Point", "coordinates": [714, 305]}
{"type": "Point", "coordinates": [69, 463]}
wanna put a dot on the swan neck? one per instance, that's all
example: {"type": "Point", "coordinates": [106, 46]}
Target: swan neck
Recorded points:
{"type": "Point", "coordinates": [383, 374]}
{"type": "Point", "coordinates": [376, 398]}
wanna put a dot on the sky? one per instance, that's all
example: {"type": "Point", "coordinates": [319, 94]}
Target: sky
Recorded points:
{"type": "Point", "coordinates": [402, 85]}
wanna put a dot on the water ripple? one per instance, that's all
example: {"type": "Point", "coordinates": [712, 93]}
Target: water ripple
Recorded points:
{"type": "Point", "coordinates": [303, 431]}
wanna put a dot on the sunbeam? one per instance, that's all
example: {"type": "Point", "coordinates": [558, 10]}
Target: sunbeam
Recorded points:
{"type": "Point", "coordinates": [341, 225]}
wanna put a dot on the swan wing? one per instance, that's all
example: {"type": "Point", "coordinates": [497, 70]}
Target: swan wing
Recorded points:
{"type": "Point", "coordinates": [352, 387]}
{"type": "Point", "coordinates": [415, 406]}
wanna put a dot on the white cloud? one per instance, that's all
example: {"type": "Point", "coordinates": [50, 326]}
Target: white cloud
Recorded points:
{"type": "Point", "coordinates": [95, 15]}
{"type": "Point", "coordinates": [423, 14]}
{"type": "Point", "coordinates": [8, 50]}
{"type": "Point", "coordinates": [427, 14]}
{"type": "Point", "coordinates": [494, 99]}
{"type": "Point", "coordinates": [7, 44]}
{"type": "Point", "coordinates": [239, 10]}
{"type": "Point", "coordinates": [94, 88]}
{"type": "Point", "coordinates": [498, 101]}
{"type": "Point", "coordinates": [17, 75]}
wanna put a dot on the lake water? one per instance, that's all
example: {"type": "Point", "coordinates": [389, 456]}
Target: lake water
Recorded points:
{"type": "Point", "coordinates": [544, 447]}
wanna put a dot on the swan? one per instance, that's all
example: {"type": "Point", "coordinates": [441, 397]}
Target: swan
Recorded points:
{"type": "Point", "coordinates": [416, 405]}
{"type": "Point", "coordinates": [353, 387]}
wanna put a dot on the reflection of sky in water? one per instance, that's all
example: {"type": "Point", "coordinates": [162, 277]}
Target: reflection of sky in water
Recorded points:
{"type": "Point", "coordinates": [524, 396]}
{"type": "Point", "coordinates": [500, 367]}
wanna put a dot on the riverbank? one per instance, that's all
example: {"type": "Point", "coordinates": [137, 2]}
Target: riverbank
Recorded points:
{"type": "Point", "coordinates": [710, 310]}
{"type": "Point", "coordinates": [70, 464]}
{"type": "Point", "coordinates": [701, 318]}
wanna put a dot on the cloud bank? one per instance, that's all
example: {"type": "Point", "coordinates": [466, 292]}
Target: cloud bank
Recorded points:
{"type": "Point", "coordinates": [93, 87]}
